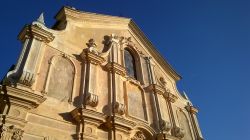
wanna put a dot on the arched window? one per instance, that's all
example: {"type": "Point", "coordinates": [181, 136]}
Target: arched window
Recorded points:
{"type": "Point", "coordinates": [130, 64]}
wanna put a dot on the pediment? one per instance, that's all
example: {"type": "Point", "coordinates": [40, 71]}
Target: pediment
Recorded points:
{"type": "Point", "coordinates": [85, 25]}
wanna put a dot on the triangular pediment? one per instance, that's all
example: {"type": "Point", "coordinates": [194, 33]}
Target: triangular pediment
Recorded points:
{"type": "Point", "coordinates": [120, 25]}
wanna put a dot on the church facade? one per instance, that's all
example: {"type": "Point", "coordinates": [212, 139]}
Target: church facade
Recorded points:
{"type": "Point", "coordinates": [91, 77]}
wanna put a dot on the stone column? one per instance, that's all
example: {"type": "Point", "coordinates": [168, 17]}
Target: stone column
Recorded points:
{"type": "Point", "coordinates": [192, 112]}
{"type": "Point", "coordinates": [154, 98]}
{"type": "Point", "coordinates": [90, 61]}
{"type": "Point", "coordinates": [176, 131]}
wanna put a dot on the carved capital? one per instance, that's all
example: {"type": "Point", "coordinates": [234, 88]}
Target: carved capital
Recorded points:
{"type": "Point", "coordinates": [178, 132]}
{"type": "Point", "coordinates": [119, 108]}
{"type": "Point", "coordinates": [170, 97]}
{"type": "Point", "coordinates": [157, 89]}
{"type": "Point", "coordinates": [10, 133]}
{"type": "Point", "coordinates": [91, 57]}
{"type": "Point", "coordinates": [192, 109]}
{"type": "Point", "coordinates": [116, 68]}
{"type": "Point", "coordinates": [92, 100]}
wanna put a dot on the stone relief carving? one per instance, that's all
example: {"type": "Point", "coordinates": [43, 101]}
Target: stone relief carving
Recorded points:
{"type": "Point", "coordinates": [118, 41]}
{"type": "Point", "coordinates": [165, 125]}
{"type": "Point", "coordinates": [178, 132]}
{"type": "Point", "coordinates": [138, 136]}
{"type": "Point", "coordinates": [119, 108]}
{"type": "Point", "coordinates": [10, 133]}
{"type": "Point", "coordinates": [92, 47]}
{"type": "Point", "coordinates": [92, 100]}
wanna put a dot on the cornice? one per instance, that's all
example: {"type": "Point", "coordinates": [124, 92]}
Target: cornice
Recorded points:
{"type": "Point", "coordinates": [116, 68]}
{"type": "Point", "coordinates": [92, 58]}
{"type": "Point", "coordinates": [35, 31]}
{"type": "Point", "coordinates": [155, 88]}
{"type": "Point", "coordinates": [67, 13]}
{"type": "Point", "coordinates": [94, 117]}
{"type": "Point", "coordinates": [22, 98]}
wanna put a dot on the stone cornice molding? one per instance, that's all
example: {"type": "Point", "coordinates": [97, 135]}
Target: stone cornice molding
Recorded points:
{"type": "Point", "coordinates": [67, 13]}
{"type": "Point", "coordinates": [157, 89]}
{"type": "Point", "coordinates": [91, 57]}
{"type": "Point", "coordinates": [23, 98]}
{"type": "Point", "coordinates": [116, 68]}
{"type": "Point", "coordinates": [35, 31]}
{"type": "Point", "coordinates": [90, 116]}
{"type": "Point", "coordinates": [123, 124]}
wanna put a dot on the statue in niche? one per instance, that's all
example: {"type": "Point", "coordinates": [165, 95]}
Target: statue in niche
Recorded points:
{"type": "Point", "coordinates": [92, 46]}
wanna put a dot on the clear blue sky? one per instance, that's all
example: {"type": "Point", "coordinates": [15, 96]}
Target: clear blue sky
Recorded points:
{"type": "Point", "coordinates": [206, 41]}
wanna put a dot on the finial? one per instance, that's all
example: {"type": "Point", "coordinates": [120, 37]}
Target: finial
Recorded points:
{"type": "Point", "coordinates": [41, 19]}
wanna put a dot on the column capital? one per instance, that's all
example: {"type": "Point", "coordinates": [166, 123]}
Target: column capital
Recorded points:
{"type": "Point", "coordinates": [91, 57]}
{"type": "Point", "coordinates": [191, 109]}
{"type": "Point", "coordinates": [116, 68]}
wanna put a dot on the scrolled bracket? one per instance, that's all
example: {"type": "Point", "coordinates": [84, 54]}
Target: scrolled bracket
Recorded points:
{"type": "Point", "coordinates": [92, 100]}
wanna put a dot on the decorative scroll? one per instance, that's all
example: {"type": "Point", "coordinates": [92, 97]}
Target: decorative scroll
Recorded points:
{"type": "Point", "coordinates": [92, 100]}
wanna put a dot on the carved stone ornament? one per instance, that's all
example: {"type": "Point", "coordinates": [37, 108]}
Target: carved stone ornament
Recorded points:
{"type": "Point", "coordinates": [92, 100]}
{"type": "Point", "coordinates": [10, 133]}
{"type": "Point", "coordinates": [178, 132]}
{"type": "Point", "coordinates": [170, 96]}
{"type": "Point", "coordinates": [116, 68]}
{"type": "Point", "coordinates": [165, 125]}
{"type": "Point", "coordinates": [92, 47]}
{"type": "Point", "coordinates": [191, 109]}
{"type": "Point", "coordinates": [138, 136]}
{"type": "Point", "coordinates": [91, 57]}
{"type": "Point", "coordinates": [119, 108]}
{"type": "Point", "coordinates": [162, 81]}
{"type": "Point", "coordinates": [157, 89]}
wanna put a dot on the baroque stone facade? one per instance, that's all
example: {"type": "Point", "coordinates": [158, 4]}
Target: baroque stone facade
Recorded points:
{"type": "Point", "coordinates": [90, 77]}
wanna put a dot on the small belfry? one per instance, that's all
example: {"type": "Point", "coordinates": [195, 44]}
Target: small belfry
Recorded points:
{"type": "Point", "coordinates": [89, 77]}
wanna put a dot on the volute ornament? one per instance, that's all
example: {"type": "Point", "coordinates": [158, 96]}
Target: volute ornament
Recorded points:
{"type": "Point", "coordinates": [92, 100]}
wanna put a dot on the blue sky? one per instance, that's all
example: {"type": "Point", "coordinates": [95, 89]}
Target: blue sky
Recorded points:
{"type": "Point", "coordinates": [206, 41]}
